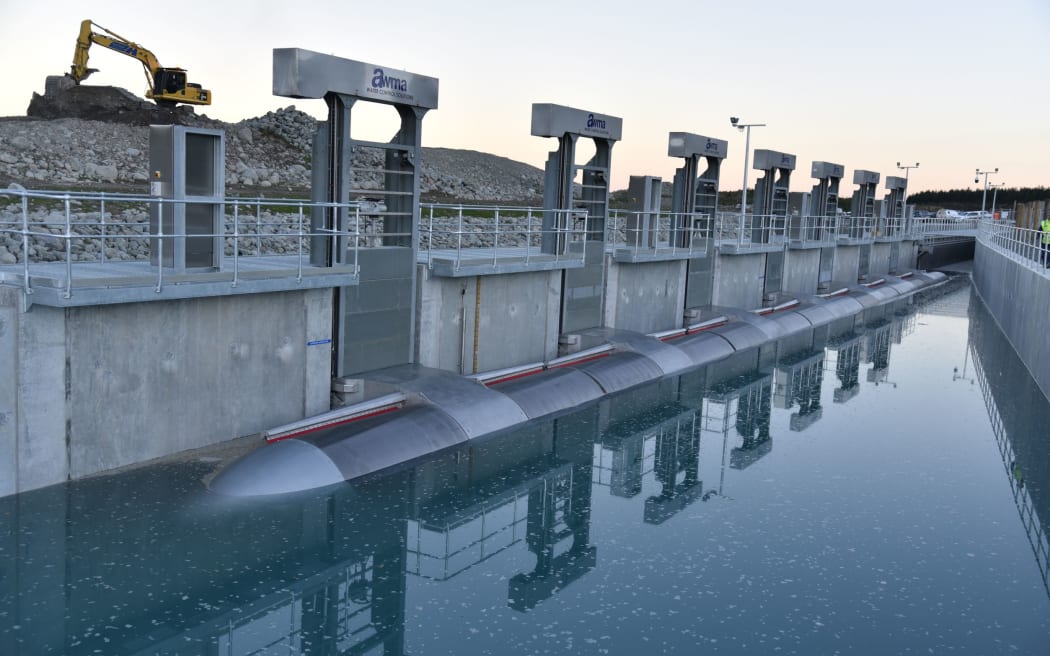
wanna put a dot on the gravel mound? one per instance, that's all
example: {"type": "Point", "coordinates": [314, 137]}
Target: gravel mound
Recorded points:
{"type": "Point", "coordinates": [91, 137]}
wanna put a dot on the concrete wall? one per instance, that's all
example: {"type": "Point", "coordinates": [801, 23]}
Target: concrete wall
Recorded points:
{"type": "Point", "coordinates": [33, 380]}
{"type": "Point", "coordinates": [516, 321]}
{"type": "Point", "coordinates": [879, 263]}
{"type": "Point", "coordinates": [802, 270]}
{"type": "Point", "coordinates": [1001, 282]}
{"type": "Point", "coordinates": [645, 297]}
{"type": "Point", "coordinates": [739, 279]}
{"type": "Point", "coordinates": [909, 255]}
{"type": "Point", "coordinates": [847, 261]}
{"type": "Point", "coordinates": [105, 386]}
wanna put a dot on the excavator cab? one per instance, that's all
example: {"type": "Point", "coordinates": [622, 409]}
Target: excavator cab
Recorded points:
{"type": "Point", "coordinates": [168, 86]}
{"type": "Point", "coordinates": [168, 80]}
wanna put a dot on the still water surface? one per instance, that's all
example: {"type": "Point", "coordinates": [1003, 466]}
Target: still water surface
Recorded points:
{"type": "Point", "coordinates": [880, 486]}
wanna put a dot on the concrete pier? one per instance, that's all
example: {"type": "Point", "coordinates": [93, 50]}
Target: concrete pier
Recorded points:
{"type": "Point", "coordinates": [87, 389]}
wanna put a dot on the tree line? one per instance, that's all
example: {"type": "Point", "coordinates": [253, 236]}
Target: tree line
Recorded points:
{"type": "Point", "coordinates": [968, 199]}
{"type": "Point", "coordinates": [952, 199]}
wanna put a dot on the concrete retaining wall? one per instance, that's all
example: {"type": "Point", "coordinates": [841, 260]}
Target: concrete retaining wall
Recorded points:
{"type": "Point", "coordinates": [1002, 282]}
{"type": "Point", "coordinates": [880, 258]}
{"type": "Point", "coordinates": [847, 261]}
{"type": "Point", "coordinates": [511, 320]}
{"type": "Point", "coordinates": [645, 297]}
{"type": "Point", "coordinates": [802, 270]}
{"type": "Point", "coordinates": [739, 280]}
{"type": "Point", "coordinates": [95, 388]}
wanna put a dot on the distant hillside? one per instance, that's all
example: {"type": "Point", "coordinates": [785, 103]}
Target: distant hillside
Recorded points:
{"type": "Point", "coordinates": [98, 138]}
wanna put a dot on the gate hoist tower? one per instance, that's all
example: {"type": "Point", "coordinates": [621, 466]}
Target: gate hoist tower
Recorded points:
{"type": "Point", "coordinates": [769, 224]}
{"type": "Point", "coordinates": [863, 220]}
{"type": "Point", "coordinates": [771, 195]}
{"type": "Point", "coordinates": [824, 208]}
{"type": "Point", "coordinates": [582, 288]}
{"type": "Point", "coordinates": [696, 193]}
{"type": "Point", "coordinates": [373, 322]}
{"type": "Point", "coordinates": [863, 206]}
{"type": "Point", "coordinates": [893, 204]}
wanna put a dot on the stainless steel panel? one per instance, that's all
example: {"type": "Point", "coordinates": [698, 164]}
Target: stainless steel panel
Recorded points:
{"type": "Point", "coordinates": [818, 315]}
{"type": "Point", "coordinates": [300, 73]}
{"type": "Point", "coordinates": [704, 348]}
{"type": "Point", "coordinates": [551, 391]}
{"type": "Point", "coordinates": [550, 120]}
{"type": "Point", "coordinates": [667, 357]}
{"type": "Point", "coordinates": [741, 335]}
{"type": "Point", "coordinates": [766, 160]}
{"type": "Point", "coordinates": [790, 321]}
{"type": "Point", "coordinates": [774, 280]}
{"type": "Point", "coordinates": [894, 182]}
{"type": "Point", "coordinates": [862, 177]}
{"type": "Point", "coordinates": [621, 371]}
{"type": "Point", "coordinates": [201, 160]}
{"type": "Point", "coordinates": [827, 170]}
{"type": "Point", "coordinates": [699, 284]}
{"type": "Point", "coordinates": [376, 316]}
{"type": "Point", "coordinates": [843, 306]}
{"type": "Point", "coordinates": [582, 291]}
{"type": "Point", "coordinates": [864, 296]}
{"type": "Point", "coordinates": [372, 445]}
{"type": "Point", "coordinates": [478, 409]}
{"type": "Point", "coordinates": [288, 466]}
{"type": "Point", "coordinates": [685, 144]}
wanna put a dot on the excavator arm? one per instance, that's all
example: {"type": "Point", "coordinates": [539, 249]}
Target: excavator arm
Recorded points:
{"type": "Point", "coordinates": [167, 86]}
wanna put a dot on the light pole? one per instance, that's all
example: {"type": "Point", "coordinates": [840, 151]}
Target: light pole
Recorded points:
{"type": "Point", "coordinates": [746, 127]}
{"type": "Point", "coordinates": [907, 169]}
{"type": "Point", "coordinates": [977, 178]}
{"type": "Point", "coordinates": [995, 193]}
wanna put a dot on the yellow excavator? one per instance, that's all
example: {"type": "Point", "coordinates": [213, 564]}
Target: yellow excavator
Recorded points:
{"type": "Point", "coordinates": [167, 86]}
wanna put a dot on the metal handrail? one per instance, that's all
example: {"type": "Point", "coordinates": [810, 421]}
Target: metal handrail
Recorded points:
{"type": "Point", "coordinates": [1023, 245]}
{"type": "Point", "coordinates": [750, 231]}
{"type": "Point", "coordinates": [511, 232]}
{"type": "Point", "coordinates": [78, 221]}
{"type": "Point", "coordinates": [658, 232]}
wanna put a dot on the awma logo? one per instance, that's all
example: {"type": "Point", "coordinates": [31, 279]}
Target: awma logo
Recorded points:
{"type": "Point", "coordinates": [598, 123]}
{"type": "Point", "coordinates": [381, 80]}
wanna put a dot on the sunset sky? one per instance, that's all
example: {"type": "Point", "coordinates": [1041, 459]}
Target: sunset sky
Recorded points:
{"type": "Point", "coordinates": [954, 85]}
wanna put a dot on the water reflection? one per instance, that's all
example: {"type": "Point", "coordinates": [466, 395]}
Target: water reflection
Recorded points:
{"type": "Point", "coordinates": [147, 562]}
{"type": "Point", "coordinates": [1019, 416]}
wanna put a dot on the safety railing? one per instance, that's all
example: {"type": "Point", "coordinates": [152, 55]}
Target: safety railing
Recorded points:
{"type": "Point", "coordinates": [855, 227]}
{"type": "Point", "coordinates": [494, 234]}
{"type": "Point", "coordinates": [750, 231]}
{"type": "Point", "coordinates": [891, 227]}
{"type": "Point", "coordinates": [925, 226]}
{"type": "Point", "coordinates": [658, 233]}
{"type": "Point", "coordinates": [812, 229]}
{"type": "Point", "coordinates": [1022, 245]}
{"type": "Point", "coordinates": [73, 229]}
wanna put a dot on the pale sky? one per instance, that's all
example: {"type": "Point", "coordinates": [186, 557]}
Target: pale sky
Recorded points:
{"type": "Point", "coordinates": [955, 85]}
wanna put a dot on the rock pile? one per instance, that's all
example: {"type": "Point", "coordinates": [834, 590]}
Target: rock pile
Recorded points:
{"type": "Point", "coordinates": [97, 138]}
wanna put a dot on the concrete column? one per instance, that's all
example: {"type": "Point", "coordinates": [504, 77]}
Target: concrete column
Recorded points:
{"type": "Point", "coordinates": [8, 392]}
{"type": "Point", "coordinates": [42, 412]}
{"type": "Point", "coordinates": [739, 280]}
{"type": "Point", "coordinates": [847, 263]}
{"type": "Point", "coordinates": [645, 297]}
{"type": "Point", "coordinates": [801, 270]}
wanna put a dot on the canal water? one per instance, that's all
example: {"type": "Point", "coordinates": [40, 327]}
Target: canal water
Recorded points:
{"type": "Point", "coordinates": [878, 486]}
